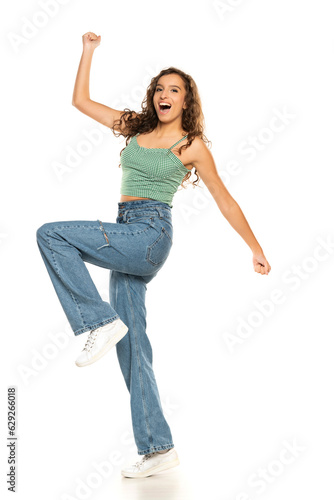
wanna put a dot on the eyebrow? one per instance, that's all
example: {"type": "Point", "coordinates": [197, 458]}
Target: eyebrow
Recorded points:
{"type": "Point", "coordinates": [159, 85]}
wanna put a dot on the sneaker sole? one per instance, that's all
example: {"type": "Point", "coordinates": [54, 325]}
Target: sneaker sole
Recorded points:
{"type": "Point", "coordinates": [153, 470]}
{"type": "Point", "coordinates": [107, 347]}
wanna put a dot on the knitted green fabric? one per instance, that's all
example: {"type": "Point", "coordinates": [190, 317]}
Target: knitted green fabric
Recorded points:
{"type": "Point", "coordinates": [154, 173]}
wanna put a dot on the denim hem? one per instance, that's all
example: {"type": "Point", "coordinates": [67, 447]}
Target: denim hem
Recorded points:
{"type": "Point", "coordinates": [156, 448]}
{"type": "Point", "coordinates": [97, 325]}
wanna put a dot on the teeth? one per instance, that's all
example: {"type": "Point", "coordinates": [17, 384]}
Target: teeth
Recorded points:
{"type": "Point", "coordinates": [165, 105]}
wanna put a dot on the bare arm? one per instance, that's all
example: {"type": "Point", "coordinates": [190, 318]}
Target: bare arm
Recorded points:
{"type": "Point", "coordinates": [205, 165]}
{"type": "Point", "coordinates": [81, 96]}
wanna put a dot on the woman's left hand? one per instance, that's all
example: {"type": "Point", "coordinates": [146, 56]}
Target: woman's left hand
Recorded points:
{"type": "Point", "coordinates": [260, 263]}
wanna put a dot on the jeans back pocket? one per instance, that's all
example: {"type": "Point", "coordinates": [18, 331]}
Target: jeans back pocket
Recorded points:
{"type": "Point", "coordinates": [159, 250]}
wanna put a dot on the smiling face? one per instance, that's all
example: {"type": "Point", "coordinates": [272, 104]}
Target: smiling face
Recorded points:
{"type": "Point", "coordinates": [170, 90]}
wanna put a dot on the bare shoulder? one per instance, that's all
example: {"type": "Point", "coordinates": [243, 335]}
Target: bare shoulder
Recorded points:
{"type": "Point", "coordinates": [198, 151]}
{"type": "Point", "coordinates": [198, 145]}
{"type": "Point", "coordinates": [190, 156]}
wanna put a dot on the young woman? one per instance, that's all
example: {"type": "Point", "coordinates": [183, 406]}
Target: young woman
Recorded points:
{"type": "Point", "coordinates": [136, 246]}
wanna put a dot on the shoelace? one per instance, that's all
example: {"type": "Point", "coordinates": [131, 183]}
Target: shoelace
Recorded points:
{"type": "Point", "coordinates": [142, 461]}
{"type": "Point", "coordinates": [91, 340]}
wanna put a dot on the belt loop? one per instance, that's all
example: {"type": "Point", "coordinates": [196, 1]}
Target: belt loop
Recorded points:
{"type": "Point", "coordinates": [125, 214]}
{"type": "Point", "coordinates": [159, 212]}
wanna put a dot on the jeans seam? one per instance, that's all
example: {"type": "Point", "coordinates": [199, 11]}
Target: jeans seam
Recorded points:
{"type": "Point", "coordinates": [126, 233]}
{"type": "Point", "coordinates": [138, 361]}
{"type": "Point", "coordinates": [150, 248]}
{"type": "Point", "coordinates": [166, 232]}
{"type": "Point", "coordinates": [97, 228]}
{"type": "Point", "coordinates": [57, 271]}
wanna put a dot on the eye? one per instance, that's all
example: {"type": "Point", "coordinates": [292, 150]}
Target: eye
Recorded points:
{"type": "Point", "coordinates": [157, 89]}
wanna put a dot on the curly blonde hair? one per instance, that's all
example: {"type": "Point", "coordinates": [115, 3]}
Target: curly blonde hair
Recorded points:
{"type": "Point", "coordinates": [147, 119]}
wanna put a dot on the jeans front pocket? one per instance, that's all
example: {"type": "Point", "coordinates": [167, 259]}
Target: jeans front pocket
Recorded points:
{"type": "Point", "coordinates": [133, 219]}
{"type": "Point", "coordinates": [159, 250]}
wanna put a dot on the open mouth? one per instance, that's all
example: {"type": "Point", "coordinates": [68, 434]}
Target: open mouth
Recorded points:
{"type": "Point", "coordinates": [164, 108]}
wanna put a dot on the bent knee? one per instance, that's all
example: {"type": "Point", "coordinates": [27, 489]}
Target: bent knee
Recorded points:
{"type": "Point", "coordinates": [43, 231]}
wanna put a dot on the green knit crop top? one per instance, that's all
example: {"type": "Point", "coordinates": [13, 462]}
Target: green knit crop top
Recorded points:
{"type": "Point", "coordinates": [154, 173]}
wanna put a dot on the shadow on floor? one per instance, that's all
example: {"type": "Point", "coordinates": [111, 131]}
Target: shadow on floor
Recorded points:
{"type": "Point", "coordinates": [167, 485]}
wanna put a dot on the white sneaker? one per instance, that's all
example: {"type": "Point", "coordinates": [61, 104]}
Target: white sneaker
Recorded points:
{"type": "Point", "coordinates": [100, 341]}
{"type": "Point", "coordinates": [152, 464]}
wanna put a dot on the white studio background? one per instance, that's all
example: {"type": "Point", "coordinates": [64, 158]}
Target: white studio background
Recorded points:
{"type": "Point", "coordinates": [243, 361]}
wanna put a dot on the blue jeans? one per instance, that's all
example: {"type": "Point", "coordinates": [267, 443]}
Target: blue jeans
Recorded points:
{"type": "Point", "coordinates": [134, 249]}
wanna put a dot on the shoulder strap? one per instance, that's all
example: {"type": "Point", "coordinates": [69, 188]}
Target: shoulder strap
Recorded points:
{"type": "Point", "coordinates": [184, 137]}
